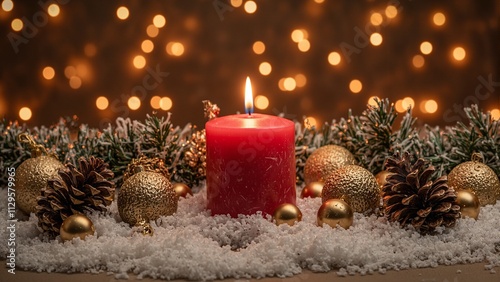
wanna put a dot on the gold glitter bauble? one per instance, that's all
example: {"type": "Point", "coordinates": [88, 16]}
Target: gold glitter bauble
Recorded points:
{"type": "Point", "coordinates": [145, 164]}
{"type": "Point", "coordinates": [324, 161]}
{"type": "Point", "coordinates": [477, 177]}
{"type": "Point", "coordinates": [335, 212]}
{"type": "Point", "coordinates": [31, 178]}
{"type": "Point", "coordinates": [146, 196]}
{"type": "Point", "coordinates": [182, 190]}
{"type": "Point", "coordinates": [312, 190]}
{"type": "Point", "coordinates": [287, 213]}
{"type": "Point", "coordinates": [77, 225]}
{"type": "Point", "coordinates": [469, 203]}
{"type": "Point", "coordinates": [355, 185]}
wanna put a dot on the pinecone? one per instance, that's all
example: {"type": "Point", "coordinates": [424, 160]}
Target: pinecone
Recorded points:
{"type": "Point", "coordinates": [410, 197]}
{"type": "Point", "coordinates": [144, 163]}
{"type": "Point", "coordinates": [75, 190]}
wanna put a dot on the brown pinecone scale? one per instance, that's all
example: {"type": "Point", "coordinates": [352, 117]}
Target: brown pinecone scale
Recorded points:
{"type": "Point", "coordinates": [412, 198]}
{"type": "Point", "coordinates": [75, 190]}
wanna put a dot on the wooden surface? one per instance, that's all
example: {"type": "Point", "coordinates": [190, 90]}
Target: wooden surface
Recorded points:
{"type": "Point", "coordinates": [455, 273]}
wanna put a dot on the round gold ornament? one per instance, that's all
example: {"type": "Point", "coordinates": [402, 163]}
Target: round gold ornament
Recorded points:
{"type": "Point", "coordinates": [146, 196]}
{"type": "Point", "coordinates": [469, 204]}
{"type": "Point", "coordinates": [381, 178]}
{"type": "Point", "coordinates": [335, 212]}
{"type": "Point", "coordinates": [145, 164]}
{"type": "Point", "coordinates": [312, 190]}
{"type": "Point", "coordinates": [182, 190]}
{"type": "Point", "coordinates": [32, 175]}
{"type": "Point", "coordinates": [287, 213]}
{"type": "Point", "coordinates": [77, 225]}
{"type": "Point", "coordinates": [144, 228]}
{"type": "Point", "coordinates": [478, 178]}
{"type": "Point", "coordinates": [355, 185]}
{"type": "Point", "coordinates": [324, 161]}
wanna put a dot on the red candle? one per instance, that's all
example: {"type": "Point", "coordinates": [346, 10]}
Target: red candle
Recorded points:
{"type": "Point", "coordinates": [250, 162]}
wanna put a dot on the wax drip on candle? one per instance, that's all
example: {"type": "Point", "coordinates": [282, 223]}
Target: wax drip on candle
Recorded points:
{"type": "Point", "coordinates": [248, 97]}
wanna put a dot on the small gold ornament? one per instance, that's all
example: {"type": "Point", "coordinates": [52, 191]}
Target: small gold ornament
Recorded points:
{"type": "Point", "coordinates": [33, 173]}
{"type": "Point", "coordinates": [196, 152]}
{"type": "Point", "coordinates": [469, 204]}
{"type": "Point", "coordinates": [324, 161]}
{"type": "Point", "coordinates": [355, 185]}
{"type": "Point", "coordinates": [335, 212]}
{"type": "Point", "coordinates": [312, 190]}
{"type": "Point", "coordinates": [478, 178]}
{"type": "Point", "coordinates": [77, 225]}
{"type": "Point", "coordinates": [381, 178]}
{"type": "Point", "coordinates": [287, 213]}
{"type": "Point", "coordinates": [145, 164]}
{"type": "Point", "coordinates": [144, 228]}
{"type": "Point", "coordinates": [182, 190]}
{"type": "Point", "coordinates": [211, 110]}
{"type": "Point", "coordinates": [146, 196]}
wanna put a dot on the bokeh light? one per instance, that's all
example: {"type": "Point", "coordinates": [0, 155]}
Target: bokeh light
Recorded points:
{"type": "Point", "coordinates": [261, 102]}
{"type": "Point", "coordinates": [418, 61]}
{"type": "Point", "coordinates": [391, 12]}
{"type": "Point", "coordinates": [134, 103]}
{"type": "Point", "coordinates": [155, 102]}
{"type": "Point", "coordinates": [175, 49]}
{"type": "Point", "coordinates": [355, 86]}
{"type": "Point", "coordinates": [69, 71]}
{"type": "Point", "coordinates": [376, 39]}
{"type": "Point", "coordinates": [236, 3]}
{"type": "Point", "coordinates": [139, 62]}
{"type": "Point", "coordinates": [75, 82]}
{"type": "Point", "coordinates": [310, 122]}
{"type": "Point", "coordinates": [300, 80]}
{"type": "Point", "coordinates": [265, 68]}
{"type": "Point", "coordinates": [399, 106]}
{"type": "Point", "coordinates": [372, 100]}
{"type": "Point", "coordinates": [25, 113]}
{"type": "Point", "coordinates": [147, 46]}
{"type": "Point", "coordinates": [122, 13]}
{"type": "Point", "coordinates": [289, 84]}
{"type": "Point", "coordinates": [48, 72]}
{"type": "Point", "coordinates": [258, 47]}
{"type": "Point", "coordinates": [439, 19]}
{"type": "Point", "coordinates": [7, 5]}
{"type": "Point", "coordinates": [426, 47]}
{"type": "Point", "coordinates": [17, 24]}
{"type": "Point", "coordinates": [376, 19]}
{"type": "Point", "coordinates": [430, 106]}
{"type": "Point", "coordinates": [152, 31]}
{"type": "Point", "coordinates": [495, 114]}
{"type": "Point", "coordinates": [459, 53]}
{"type": "Point", "coordinates": [159, 21]}
{"type": "Point", "coordinates": [166, 103]}
{"type": "Point", "coordinates": [250, 7]}
{"type": "Point", "coordinates": [298, 35]}
{"type": "Point", "coordinates": [304, 45]}
{"type": "Point", "coordinates": [407, 103]}
{"type": "Point", "coordinates": [334, 58]}
{"type": "Point", "coordinates": [53, 10]}
{"type": "Point", "coordinates": [102, 103]}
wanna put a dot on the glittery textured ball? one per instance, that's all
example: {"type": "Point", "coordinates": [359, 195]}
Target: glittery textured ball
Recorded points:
{"type": "Point", "coordinates": [31, 178]}
{"type": "Point", "coordinates": [77, 225]}
{"type": "Point", "coordinates": [146, 196]}
{"type": "Point", "coordinates": [324, 161]}
{"type": "Point", "coordinates": [469, 204]}
{"type": "Point", "coordinates": [355, 185]}
{"type": "Point", "coordinates": [335, 212]}
{"type": "Point", "coordinates": [478, 178]}
{"type": "Point", "coordinates": [287, 213]}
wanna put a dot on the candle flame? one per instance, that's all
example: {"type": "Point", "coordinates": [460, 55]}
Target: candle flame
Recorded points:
{"type": "Point", "coordinates": [248, 97]}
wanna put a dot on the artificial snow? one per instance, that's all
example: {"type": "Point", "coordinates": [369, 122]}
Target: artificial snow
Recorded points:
{"type": "Point", "coordinates": [191, 244]}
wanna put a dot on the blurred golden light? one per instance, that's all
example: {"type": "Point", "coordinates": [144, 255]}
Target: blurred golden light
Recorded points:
{"type": "Point", "coordinates": [355, 86]}
{"type": "Point", "coordinates": [376, 19]}
{"type": "Point", "coordinates": [418, 61]}
{"type": "Point", "coordinates": [69, 71]}
{"type": "Point", "coordinates": [399, 106]}
{"type": "Point", "coordinates": [459, 53]}
{"type": "Point", "coordinates": [175, 49]}
{"type": "Point", "coordinates": [430, 106]}
{"type": "Point", "coordinates": [407, 103]}
{"type": "Point", "coordinates": [298, 35]}
{"type": "Point", "coordinates": [310, 122]}
{"type": "Point", "coordinates": [391, 11]}
{"type": "Point", "coordinates": [75, 82]}
{"type": "Point", "coordinates": [372, 102]}
{"type": "Point", "coordinates": [17, 24]}
{"type": "Point", "coordinates": [82, 70]}
{"type": "Point", "coordinates": [265, 68]}
{"type": "Point", "coordinates": [426, 47]}
{"type": "Point", "coordinates": [147, 46]}
{"type": "Point", "coordinates": [155, 102]}
{"type": "Point", "coordinates": [439, 19]}
{"type": "Point", "coordinates": [250, 7]}
{"type": "Point", "coordinates": [48, 73]}
{"type": "Point", "coordinates": [376, 39]}
{"type": "Point", "coordinates": [152, 31]}
{"type": "Point", "coordinates": [139, 62]}
{"type": "Point", "coordinates": [165, 103]}
{"type": "Point", "coordinates": [281, 84]}
{"type": "Point", "coordinates": [495, 114]}
{"type": "Point", "coordinates": [289, 84]}
{"type": "Point", "coordinates": [304, 45]}
{"type": "Point", "coordinates": [102, 103]}
{"type": "Point", "coordinates": [90, 50]}
{"type": "Point", "coordinates": [7, 5]}
{"type": "Point", "coordinates": [301, 80]}
{"type": "Point", "coordinates": [261, 102]}
{"type": "Point", "coordinates": [236, 3]}
{"type": "Point", "coordinates": [122, 13]}
{"type": "Point", "coordinates": [334, 58]}
{"type": "Point", "coordinates": [159, 21]}
{"type": "Point", "coordinates": [134, 103]}
{"type": "Point", "coordinates": [53, 10]}
{"type": "Point", "coordinates": [258, 47]}
{"type": "Point", "coordinates": [25, 113]}
{"type": "Point", "coordinates": [319, 1]}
